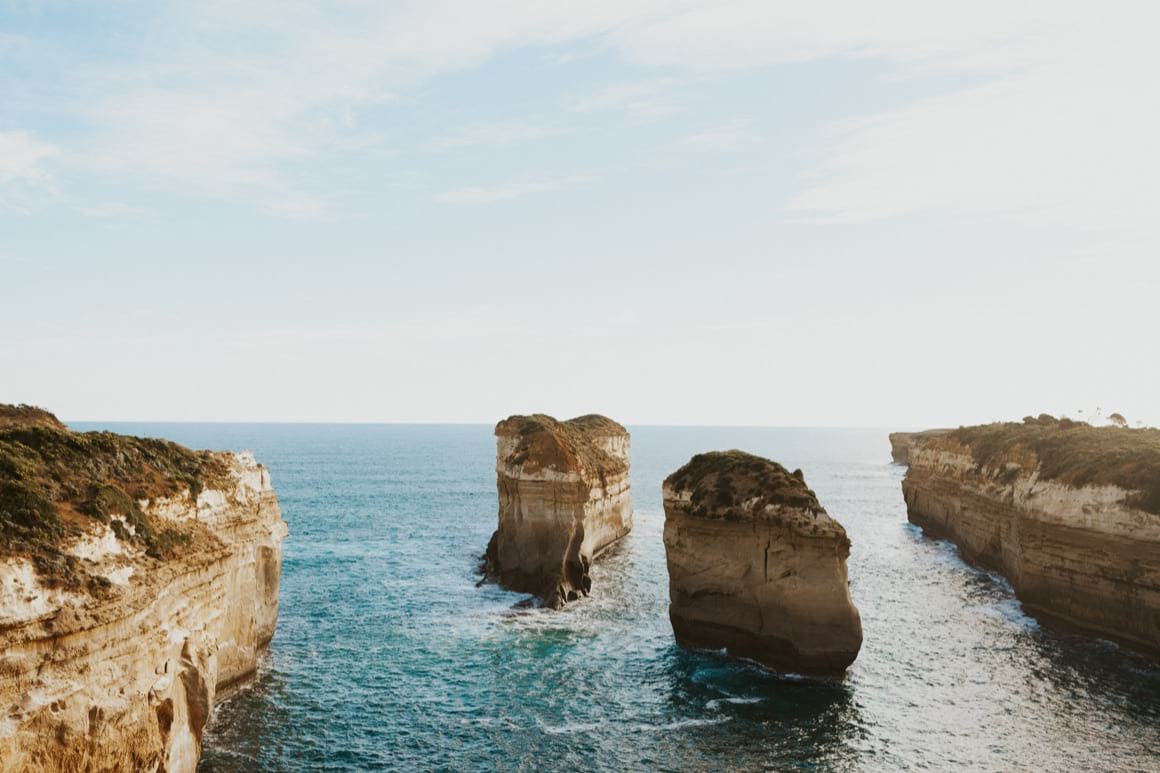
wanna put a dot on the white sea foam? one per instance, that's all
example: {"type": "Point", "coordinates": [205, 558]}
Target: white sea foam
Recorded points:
{"type": "Point", "coordinates": [715, 704]}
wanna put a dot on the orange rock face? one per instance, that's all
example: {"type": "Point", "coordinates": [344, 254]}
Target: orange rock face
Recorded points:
{"type": "Point", "coordinates": [1066, 512]}
{"type": "Point", "coordinates": [116, 664]}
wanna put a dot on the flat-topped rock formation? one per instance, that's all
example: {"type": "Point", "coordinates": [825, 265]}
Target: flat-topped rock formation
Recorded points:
{"type": "Point", "coordinates": [902, 442]}
{"type": "Point", "coordinates": [756, 566]}
{"type": "Point", "coordinates": [563, 498]}
{"type": "Point", "coordinates": [138, 584]}
{"type": "Point", "coordinates": [1069, 513]}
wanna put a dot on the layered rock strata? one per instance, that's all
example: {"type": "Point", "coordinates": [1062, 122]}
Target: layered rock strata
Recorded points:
{"type": "Point", "coordinates": [902, 442]}
{"type": "Point", "coordinates": [1068, 513]}
{"type": "Point", "coordinates": [757, 566]}
{"type": "Point", "coordinates": [138, 584]}
{"type": "Point", "coordinates": [564, 497]}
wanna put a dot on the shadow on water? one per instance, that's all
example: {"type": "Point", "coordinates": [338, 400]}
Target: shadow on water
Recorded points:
{"type": "Point", "coordinates": [795, 721]}
{"type": "Point", "coordinates": [1086, 669]}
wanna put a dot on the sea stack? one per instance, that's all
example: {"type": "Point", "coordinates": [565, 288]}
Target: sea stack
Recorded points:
{"type": "Point", "coordinates": [1067, 512]}
{"type": "Point", "coordinates": [757, 566]}
{"type": "Point", "coordinates": [138, 584]}
{"type": "Point", "coordinates": [563, 498]}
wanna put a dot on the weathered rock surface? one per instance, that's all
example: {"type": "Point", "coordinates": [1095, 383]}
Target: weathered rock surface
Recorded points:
{"type": "Point", "coordinates": [1068, 513]}
{"type": "Point", "coordinates": [563, 498]}
{"type": "Point", "coordinates": [902, 442]}
{"type": "Point", "coordinates": [138, 584]}
{"type": "Point", "coordinates": [757, 566]}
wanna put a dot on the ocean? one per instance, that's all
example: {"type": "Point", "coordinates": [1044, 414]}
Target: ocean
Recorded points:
{"type": "Point", "coordinates": [388, 656]}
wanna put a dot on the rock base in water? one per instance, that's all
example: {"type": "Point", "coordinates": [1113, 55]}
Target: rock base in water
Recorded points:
{"type": "Point", "coordinates": [1068, 513]}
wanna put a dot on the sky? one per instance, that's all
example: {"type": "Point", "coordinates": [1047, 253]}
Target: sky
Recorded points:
{"type": "Point", "coordinates": [890, 214]}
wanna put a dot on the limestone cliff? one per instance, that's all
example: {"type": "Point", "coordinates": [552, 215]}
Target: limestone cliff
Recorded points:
{"type": "Point", "coordinates": [1069, 513]}
{"type": "Point", "coordinates": [757, 566]}
{"type": "Point", "coordinates": [902, 442]}
{"type": "Point", "coordinates": [138, 584]}
{"type": "Point", "coordinates": [563, 498]}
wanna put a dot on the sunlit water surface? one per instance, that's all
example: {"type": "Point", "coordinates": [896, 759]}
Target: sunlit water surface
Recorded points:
{"type": "Point", "coordinates": [388, 656]}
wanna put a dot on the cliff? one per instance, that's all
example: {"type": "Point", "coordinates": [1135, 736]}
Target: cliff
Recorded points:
{"type": "Point", "coordinates": [757, 566]}
{"type": "Point", "coordinates": [1069, 513]}
{"type": "Point", "coordinates": [563, 498]}
{"type": "Point", "coordinates": [138, 584]}
{"type": "Point", "coordinates": [902, 442]}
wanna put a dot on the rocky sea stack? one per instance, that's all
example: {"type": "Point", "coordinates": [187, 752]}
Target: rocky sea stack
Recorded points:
{"type": "Point", "coordinates": [138, 584]}
{"type": "Point", "coordinates": [756, 566]}
{"type": "Point", "coordinates": [563, 498]}
{"type": "Point", "coordinates": [1069, 513]}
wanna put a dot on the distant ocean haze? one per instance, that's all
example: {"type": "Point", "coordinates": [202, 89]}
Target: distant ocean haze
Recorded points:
{"type": "Point", "coordinates": [388, 655]}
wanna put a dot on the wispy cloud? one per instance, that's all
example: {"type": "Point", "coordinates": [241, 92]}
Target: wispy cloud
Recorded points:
{"type": "Point", "coordinates": [725, 136]}
{"type": "Point", "coordinates": [511, 189]}
{"type": "Point", "coordinates": [509, 133]}
{"type": "Point", "coordinates": [1063, 134]}
{"type": "Point", "coordinates": [23, 172]}
{"type": "Point", "coordinates": [641, 101]}
{"type": "Point", "coordinates": [113, 209]}
{"type": "Point", "coordinates": [254, 101]}
{"type": "Point", "coordinates": [22, 158]}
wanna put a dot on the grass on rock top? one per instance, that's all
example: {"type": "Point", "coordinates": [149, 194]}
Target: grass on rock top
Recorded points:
{"type": "Point", "coordinates": [721, 481]}
{"type": "Point", "coordinates": [545, 442]}
{"type": "Point", "coordinates": [1074, 453]}
{"type": "Point", "coordinates": [52, 480]}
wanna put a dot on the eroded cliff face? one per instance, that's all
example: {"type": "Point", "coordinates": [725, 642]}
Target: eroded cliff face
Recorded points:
{"type": "Point", "coordinates": [900, 447]}
{"type": "Point", "coordinates": [123, 619]}
{"type": "Point", "coordinates": [564, 497]}
{"type": "Point", "coordinates": [757, 566]}
{"type": "Point", "coordinates": [902, 442]}
{"type": "Point", "coordinates": [1066, 512]}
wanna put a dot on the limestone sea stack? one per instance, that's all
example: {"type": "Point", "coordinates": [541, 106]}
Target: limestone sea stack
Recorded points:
{"type": "Point", "coordinates": [563, 498]}
{"type": "Point", "coordinates": [138, 584]}
{"type": "Point", "coordinates": [1067, 512]}
{"type": "Point", "coordinates": [757, 566]}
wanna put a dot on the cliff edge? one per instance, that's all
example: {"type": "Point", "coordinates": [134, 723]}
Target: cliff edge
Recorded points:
{"type": "Point", "coordinates": [563, 498]}
{"type": "Point", "coordinates": [757, 566]}
{"type": "Point", "coordinates": [138, 584]}
{"type": "Point", "coordinates": [902, 442]}
{"type": "Point", "coordinates": [1069, 513]}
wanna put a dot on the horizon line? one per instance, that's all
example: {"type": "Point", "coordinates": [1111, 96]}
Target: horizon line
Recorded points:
{"type": "Point", "coordinates": [69, 422]}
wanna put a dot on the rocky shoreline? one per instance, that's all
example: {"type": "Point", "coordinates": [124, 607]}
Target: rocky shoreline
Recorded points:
{"type": "Point", "coordinates": [1068, 513]}
{"type": "Point", "coordinates": [139, 579]}
{"type": "Point", "coordinates": [138, 585]}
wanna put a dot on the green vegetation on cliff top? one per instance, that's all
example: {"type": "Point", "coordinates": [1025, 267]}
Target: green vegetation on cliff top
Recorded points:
{"type": "Point", "coordinates": [720, 481]}
{"type": "Point", "coordinates": [1073, 453]}
{"type": "Point", "coordinates": [52, 480]}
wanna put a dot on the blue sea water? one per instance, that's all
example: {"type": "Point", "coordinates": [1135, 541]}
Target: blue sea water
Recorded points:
{"type": "Point", "coordinates": [389, 657]}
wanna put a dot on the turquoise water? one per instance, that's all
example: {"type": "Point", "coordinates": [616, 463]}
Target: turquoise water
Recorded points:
{"type": "Point", "coordinates": [388, 656]}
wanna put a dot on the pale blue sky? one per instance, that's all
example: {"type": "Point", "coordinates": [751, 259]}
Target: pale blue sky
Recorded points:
{"type": "Point", "coordinates": [694, 212]}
